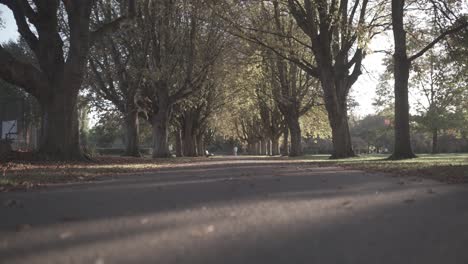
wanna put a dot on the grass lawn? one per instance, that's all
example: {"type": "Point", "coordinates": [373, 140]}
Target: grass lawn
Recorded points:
{"type": "Point", "coordinates": [452, 168]}
{"type": "Point", "coordinates": [23, 175]}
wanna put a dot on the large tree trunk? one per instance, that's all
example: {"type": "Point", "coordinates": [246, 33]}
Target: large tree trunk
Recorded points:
{"type": "Point", "coordinates": [160, 134]}
{"type": "Point", "coordinates": [178, 143]}
{"type": "Point", "coordinates": [435, 141]}
{"type": "Point", "coordinates": [60, 128]}
{"type": "Point", "coordinates": [190, 147]}
{"type": "Point", "coordinates": [132, 144]}
{"type": "Point", "coordinates": [296, 137]}
{"type": "Point", "coordinates": [341, 137]}
{"type": "Point", "coordinates": [402, 149]}
{"type": "Point", "coordinates": [57, 77]}
{"type": "Point", "coordinates": [337, 110]}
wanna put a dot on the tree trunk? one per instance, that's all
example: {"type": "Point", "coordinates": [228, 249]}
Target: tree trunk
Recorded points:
{"type": "Point", "coordinates": [132, 148]}
{"type": "Point", "coordinates": [285, 146]}
{"type": "Point", "coordinates": [251, 148]}
{"type": "Point", "coordinates": [200, 145]}
{"type": "Point", "coordinates": [190, 147]}
{"type": "Point", "coordinates": [435, 141]}
{"type": "Point", "coordinates": [275, 150]}
{"type": "Point", "coordinates": [402, 149]}
{"type": "Point", "coordinates": [60, 129]}
{"type": "Point", "coordinates": [268, 148]}
{"type": "Point", "coordinates": [341, 137]}
{"type": "Point", "coordinates": [337, 110]}
{"type": "Point", "coordinates": [178, 143]}
{"type": "Point", "coordinates": [263, 148]}
{"type": "Point", "coordinates": [160, 134]}
{"type": "Point", "coordinates": [296, 145]}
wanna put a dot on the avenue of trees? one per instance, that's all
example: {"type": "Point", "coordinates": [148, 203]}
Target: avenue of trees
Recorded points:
{"type": "Point", "coordinates": [267, 76]}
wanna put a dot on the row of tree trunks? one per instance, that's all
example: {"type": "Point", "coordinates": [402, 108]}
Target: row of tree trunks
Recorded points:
{"type": "Point", "coordinates": [192, 146]}
{"type": "Point", "coordinates": [264, 148]}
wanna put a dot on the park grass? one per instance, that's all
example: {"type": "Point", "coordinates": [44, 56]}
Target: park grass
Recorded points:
{"type": "Point", "coordinates": [451, 168]}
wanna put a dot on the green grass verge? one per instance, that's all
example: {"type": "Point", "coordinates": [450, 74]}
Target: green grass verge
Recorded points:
{"type": "Point", "coordinates": [443, 167]}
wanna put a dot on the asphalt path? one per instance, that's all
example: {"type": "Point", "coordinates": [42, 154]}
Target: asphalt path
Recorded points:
{"type": "Point", "coordinates": [239, 211]}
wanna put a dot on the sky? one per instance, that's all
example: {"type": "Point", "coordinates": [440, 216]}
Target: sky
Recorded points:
{"type": "Point", "coordinates": [363, 90]}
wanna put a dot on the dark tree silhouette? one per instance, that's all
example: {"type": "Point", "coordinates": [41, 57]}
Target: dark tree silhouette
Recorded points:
{"type": "Point", "coordinates": [61, 64]}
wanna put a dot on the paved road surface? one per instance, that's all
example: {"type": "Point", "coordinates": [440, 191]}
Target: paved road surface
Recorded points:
{"type": "Point", "coordinates": [239, 211]}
